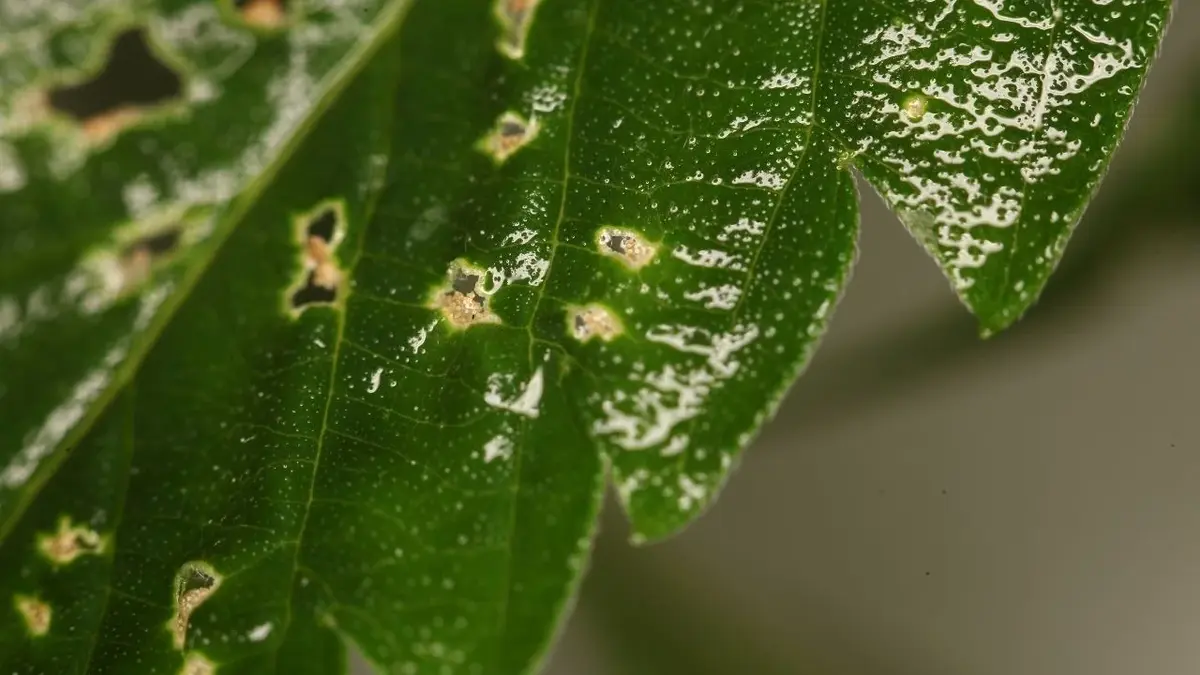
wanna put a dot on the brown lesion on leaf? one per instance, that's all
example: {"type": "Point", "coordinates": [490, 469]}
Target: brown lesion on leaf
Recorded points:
{"type": "Point", "coordinates": [515, 18]}
{"type": "Point", "coordinates": [511, 133]}
{"type": "Point", "coordinates": [194, 583]}
{"type": "Point", "coordinates": [35, 613]}
{"type": "Point", "coordinates": [264, 14]}
{"type": "Point", "coordinates": [197, 664]}
{"type": "Point", "coordinates": [463, 300]}
{"type": "Point", "coordinates": [132, 84]}
{"type": "Point", "coordinates": [320, 231]}
{"type": "Point", "coordinates": [631, 248]}
{"type": "Point", "coordinates": [69, 542]}
{"type": "Point", "coordinates": [594, 321]}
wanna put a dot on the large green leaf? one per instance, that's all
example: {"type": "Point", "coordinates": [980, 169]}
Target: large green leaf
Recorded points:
{"type": "Point", "coordinates": [610, 233]}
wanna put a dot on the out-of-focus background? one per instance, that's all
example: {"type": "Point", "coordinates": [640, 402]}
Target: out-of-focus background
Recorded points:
{"type": "Point", "coordinates": [927, 503]}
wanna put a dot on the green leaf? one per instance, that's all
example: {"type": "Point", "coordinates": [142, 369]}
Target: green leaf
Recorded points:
{"type": "Point", "coordinates": [126, 129]}
{"type": "Point", "coordinates": [610, 234]}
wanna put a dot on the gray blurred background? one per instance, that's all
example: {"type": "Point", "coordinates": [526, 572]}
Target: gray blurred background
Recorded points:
{"type": "Point", "coordinates": [929, 503]}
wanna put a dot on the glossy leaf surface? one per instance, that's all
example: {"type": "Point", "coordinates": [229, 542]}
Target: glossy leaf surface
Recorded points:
{"type": "Point", "coordinates": [539, 239]}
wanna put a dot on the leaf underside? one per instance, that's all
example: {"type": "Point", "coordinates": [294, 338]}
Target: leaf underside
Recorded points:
{"type": "Point", "coordinates": [340, 343]}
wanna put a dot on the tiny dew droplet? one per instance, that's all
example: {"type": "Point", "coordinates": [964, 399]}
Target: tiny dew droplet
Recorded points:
{"type": "Point", "coordinates": [914, 107]}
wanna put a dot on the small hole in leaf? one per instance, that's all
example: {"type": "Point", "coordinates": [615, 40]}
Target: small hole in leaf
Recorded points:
{"type": "Point", "coordinates": [462, 301]}
{"type": "Point", "coordinates": [465, 283]}
{"type": "Point", "coordinates": [324, 225]}
{"type": "Point", "coordinates": [616, 243]}
{"type": "Point", "coordinates": [626, 245]}
{"type": "Point", "coordinates": [157, 244]}
{"type": "Point", "coordinates": [132, 80]}
{"type": "Point", "coordinates": [323, 275]}
{"type": "Point", "coordinates": [262, 13]}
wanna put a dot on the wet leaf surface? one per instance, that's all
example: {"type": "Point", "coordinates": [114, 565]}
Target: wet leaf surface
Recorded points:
{"type": "Point", "coordinates": [531, 241]}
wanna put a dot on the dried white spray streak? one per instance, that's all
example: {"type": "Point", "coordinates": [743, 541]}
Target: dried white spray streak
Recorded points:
{"type": "Point", "coordinates": [649, 415]}
{"type": "Point", "coordinates": [999, 101]}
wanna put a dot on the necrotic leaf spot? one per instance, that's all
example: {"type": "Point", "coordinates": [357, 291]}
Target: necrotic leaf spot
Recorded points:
{"type": "Point", "coordinates": [194, 583]}
{"type": "Point", "coordinates": [324, 276]}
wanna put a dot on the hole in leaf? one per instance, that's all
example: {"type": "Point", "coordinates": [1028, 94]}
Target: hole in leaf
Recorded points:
{"type": "Point", "coordinates": [194, 583]}
{"type": "Point", "coordinates": [616, 243]}
{"type": "Point", "coordinates": [323, 276]}
{"type": "Point", "coordinates": [132, 80]}
{"type": "Point", "coordinates": [465, 283]}
{"type": "Point", "coordinates": [630, 247]}
{"type": "Point", "coordinates": [462, 301]}
{"type": "Point", "coordinates": [262, 13]}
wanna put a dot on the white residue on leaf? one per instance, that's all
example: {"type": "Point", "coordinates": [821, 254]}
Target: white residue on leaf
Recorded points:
{"type": "Point", "coordinates": [676, 446]}
{"type": "Point", "coordinates": [784, 79]}
{"type": "Point", "coordinates": [526, 402]}
{"type": "Point", "coordinates": [417, 341]}
{"type": "Point", "coordinates": [709, 258]}
{"type": "Point", "coordinates": [140, 196]}
{"type": "Point", "coordinates": [649, 415]}
{"type": "Point", "coordinates": [996, 7]}
{"type": "Point", "coordinates": [530, 268]}
{"type": "Point", "coordinates": [725, 296]}
{"type": "Point", "coordinates": [691, 493]}
{"type": "Point", "coordinates": [631, 484]}
{"type": "Point", "coordinates": [520, 236]}
{"type": "Point", "coordinates": [742, 124]}
{"type": "Point", "coordinates": [260, 632]}
{"type": "Point", "coordinates": [752, 228]}
{"type": "Point", "coordinates": [763, 179]}
{"type": "Point", "coordinates": [374, 380]}
{"type": "Point", "coordinates": [547, 98]}
{"type": "Point", "coordinates": [199, 33]}
{"type": "Point", "coordinates": [718, 348]}
{"type": "Point", "coordinates": [1009, 112]}
{"type": "Point", "coordinates": [499, 447]}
